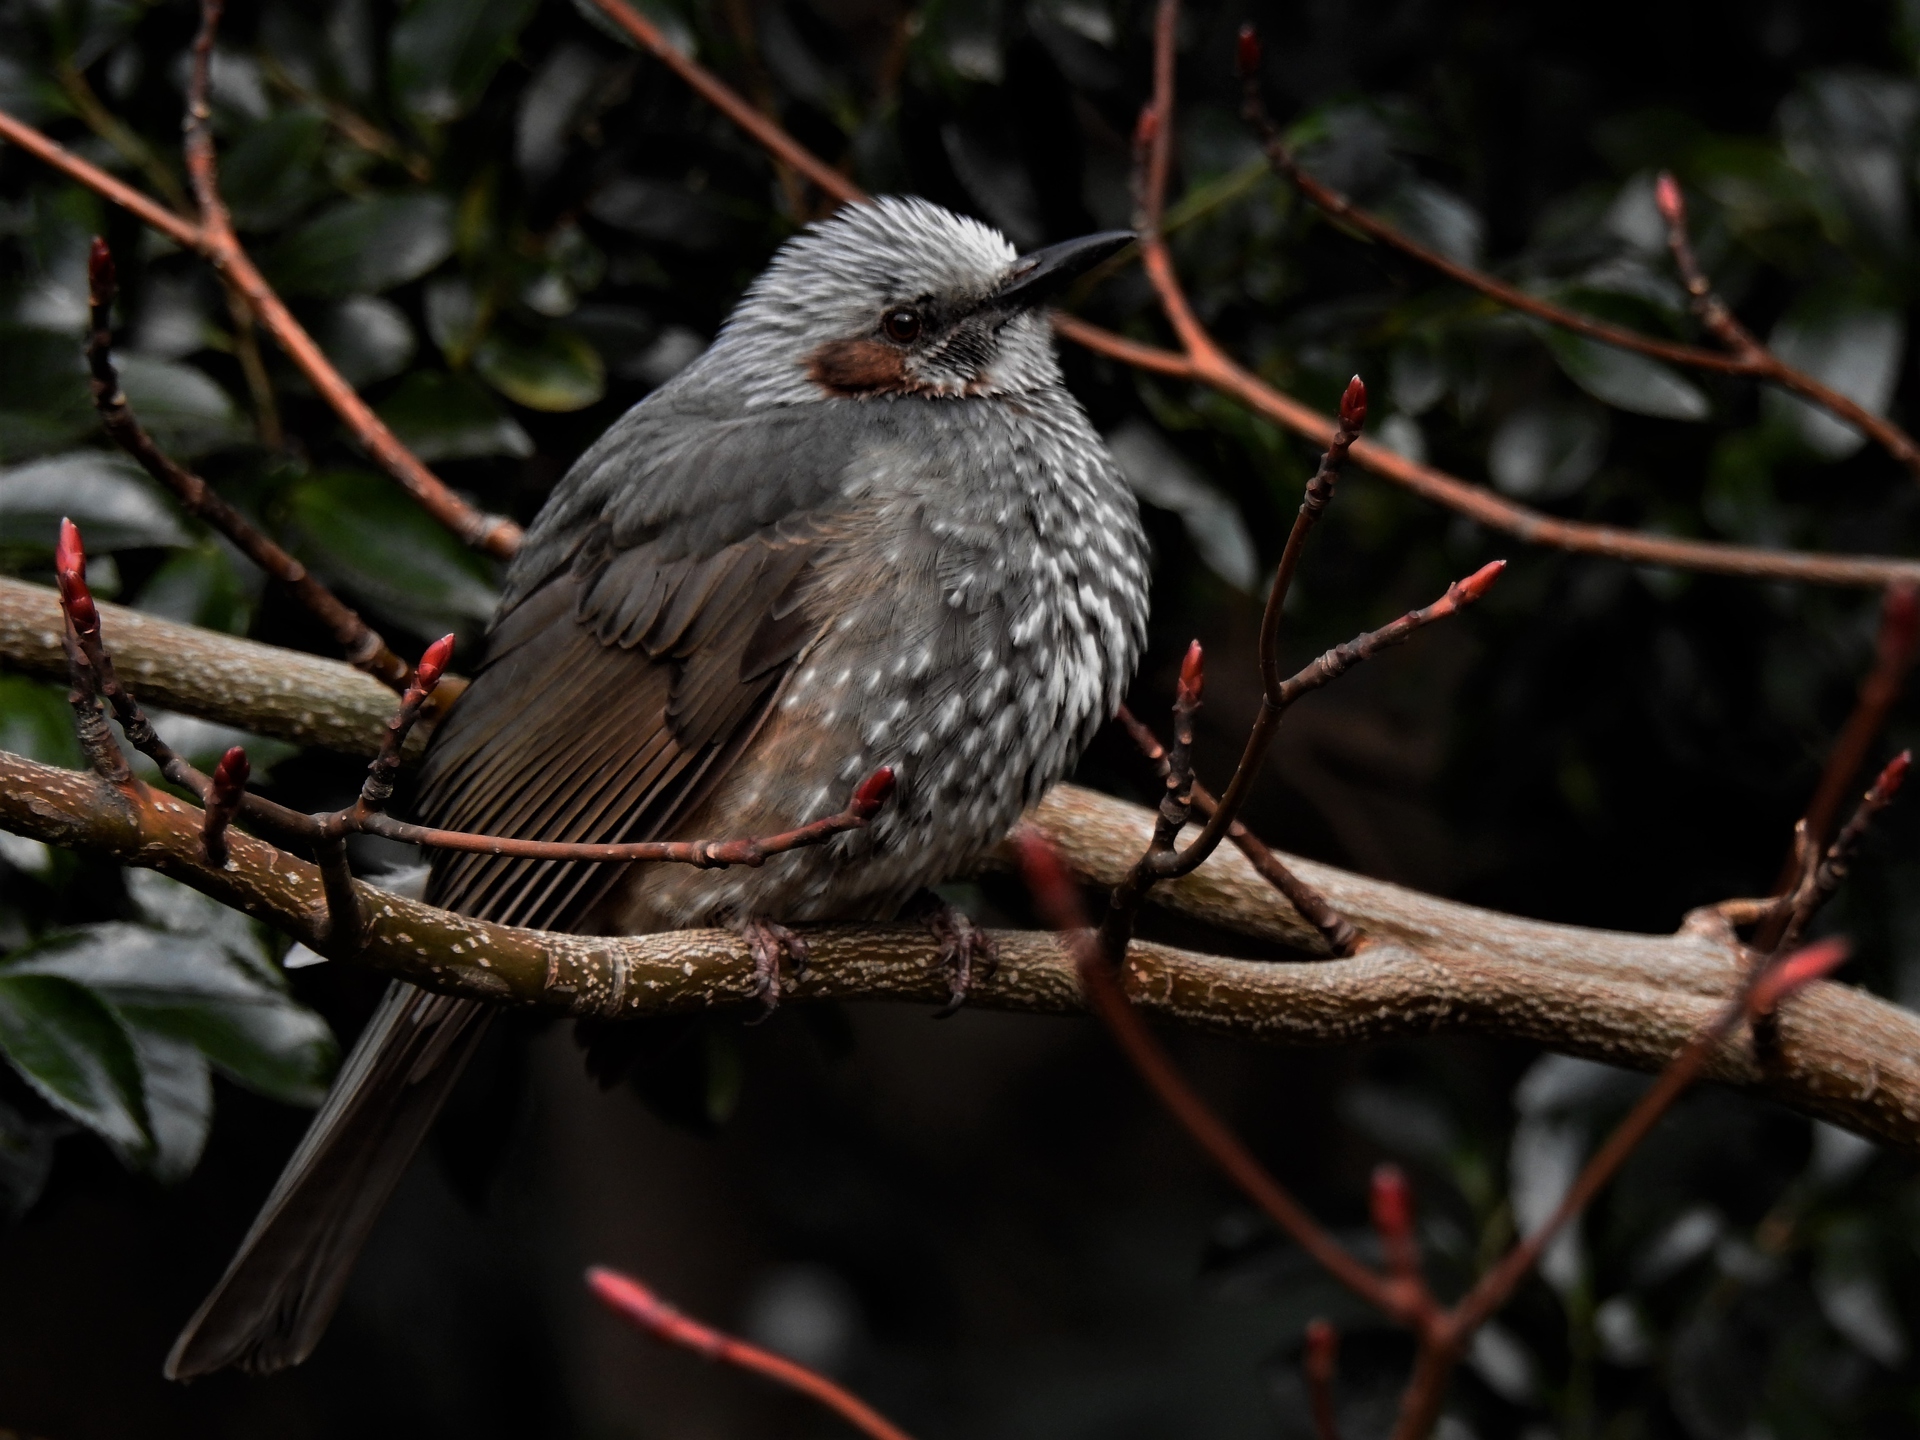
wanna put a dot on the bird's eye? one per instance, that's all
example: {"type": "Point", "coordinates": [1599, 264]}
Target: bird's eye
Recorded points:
{"type": "Point", "coordinates": [902, 325]}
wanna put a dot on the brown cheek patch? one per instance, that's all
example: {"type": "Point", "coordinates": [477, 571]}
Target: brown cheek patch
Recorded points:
{"type": "Point", "coordinates": [859, 367]}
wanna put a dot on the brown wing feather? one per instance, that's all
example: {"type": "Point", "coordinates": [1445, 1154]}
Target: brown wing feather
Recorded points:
{"type": "Point", "coordinates": [609, 706]}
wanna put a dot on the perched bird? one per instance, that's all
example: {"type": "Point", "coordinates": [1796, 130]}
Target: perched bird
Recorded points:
{"type": "Point", "coordinates": [869, 526]}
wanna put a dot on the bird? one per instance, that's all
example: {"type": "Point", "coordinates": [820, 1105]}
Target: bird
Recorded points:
{"type": "Point", "coordinates": [869, 526]}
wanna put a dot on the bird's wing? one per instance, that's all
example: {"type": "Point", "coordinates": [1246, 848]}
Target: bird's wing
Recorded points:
{"type": "Point", "coordinates": [623, 686]}
{"type": "Point", "coordinates": [650, 624]}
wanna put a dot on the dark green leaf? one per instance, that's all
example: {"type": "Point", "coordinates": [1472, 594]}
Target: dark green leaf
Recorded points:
{"type": "Point", "coordinates": [444, 52]}
{"type": "Point", "coordinates": [66, 1043]}
{"type": "Point", "coordinates": [1545, 451]}
{"type": "Point", "coordinates": [203, 585]}
{"type": "Point", "coordinates": [364, 246]}
{"type": "Point", "coordinates": [366, 338]}
{"type": "Point", "coordinates": [44, 403]}
{"type": "Point", "coordinates": [268, 175]}
{"type": "Point", "coordinates": [363, 531]}
{"type": "Point", "coordinates": [669, 21]}
{"type": "Point", "coordinates": [1624, 379]}
{"type": "Point", "coordinates": [36, 721]}
{"type": "Point", "coordinates": [1855, 349]}
{"type": "Point", "coordinates": [180, 406]}
{"type": "Point", "coordinates": [449, 417]}
{"type": "Point", "coordinates": [191, 988]}
{"type": "Point", "coordinates": [179, 1092]}
{"type": "Point", "coordinates": [555, 370]}
{"type": "Point", "coordinates": [26, 1159]}
{"type": "Point", "coordinates": [112, 501]}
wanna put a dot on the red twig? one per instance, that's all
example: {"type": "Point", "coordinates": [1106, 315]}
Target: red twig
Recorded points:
{"type": "Point", "coordinates": [1321, 1364]}
{"type": "Point", "coordinates": [1894, 649]}
{"type": "Point", "coordinates": [634, 1302]}
{"type": "Point", "coordinates": [1059, 905]}
{"type": "Point", "coordinates": [226, 787]}
{"type": "Point", "coordinates": [1338, 931]}
{"type": "Point", "coordinates": [364, 647]}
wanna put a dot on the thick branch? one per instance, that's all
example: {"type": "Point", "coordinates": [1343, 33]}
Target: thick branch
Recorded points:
{"type": "Point", "coordinates": [1430, 966]}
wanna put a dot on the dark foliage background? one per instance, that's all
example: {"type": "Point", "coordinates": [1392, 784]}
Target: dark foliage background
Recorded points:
{"type": "Point", "coordinates": [506, 227]}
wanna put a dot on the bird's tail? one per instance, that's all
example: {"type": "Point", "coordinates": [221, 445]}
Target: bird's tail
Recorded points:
{"type": "Point", "coordinates": [271, 1307]}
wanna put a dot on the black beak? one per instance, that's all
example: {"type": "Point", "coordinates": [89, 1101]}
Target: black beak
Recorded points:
{"type": "Point", "coordinates": [1039, 276]}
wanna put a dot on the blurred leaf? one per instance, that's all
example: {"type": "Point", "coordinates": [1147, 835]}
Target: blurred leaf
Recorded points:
{"type": "Point", "coordinates": [454, 317]}
{"type": "Point", "coordinates": [268, 175]}
{"type": "Point", "coordinates": [1849, 132]}
{"type": "Point", "coordinates": [179, 1093]}
{"type": "Point", "coordinates": [1546, 1156]}
{"type": "Point", "coordinates": [660, 210]}
{"type": "Point", "coordinates": [443, 52]}
{"type": "Point", "coordinates": [449, 417]}
{"type": "Point", "coordinates": [202, 585]}
{"type": "Point", "coordinates": [109, 497]}
{"type": "Point", "coordinates": [72, 1049]}
{"type": "Point", "coordinates": [44, 402]}
{"type": "Point", "coordinates": [26, 1159]}
{"type": "Point", "coordinates": [1625, 380]}
{"type": "Point", "coordinates": [190, 988]}
{"type": "Point", "coordinates": [35, 721]}
{"type": "Point", "coordinates": [1438, 219]}
{"type": "Point", "coordinates": [1160, 476]}
{"type": "Point", "coordinates": [365, 532]}
{"type": "Point", "coordinates": [367, 339]}
{"type": "Point", "coordinates": [555, 370]}
{"type": "Point", "coordinates": [1854, 349]}
{"type": "Point", "coordinates": [180, 406]}
{"type": "Point", "coordinates": [1545, 451]}
{"type": "Point", "coordinates": [363, 246]}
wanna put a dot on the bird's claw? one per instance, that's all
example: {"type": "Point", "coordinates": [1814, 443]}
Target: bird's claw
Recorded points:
{"type": "Point", "coordinates": [768, 943]}
{"type": "Point", "coordinates": [965, 951]}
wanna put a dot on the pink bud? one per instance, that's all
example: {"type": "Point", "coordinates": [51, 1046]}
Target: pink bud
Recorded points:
{"type": "Point", "coordinates": [70, 568]}
{"type": "Point", "coordinates": [231, 774]}
{"type": "Point", "coordinates": [1899, 620]}
{"type": "Point", "coordinates": [1246, 55]}
{"type": "Point", "coordinates": [1666, 194]}
{"type": "Point", "coordinates": [1193, 674]}
{"type": "Point", "coordinates": [1353, 404]}
{"type": "Point", "coordinates": [433, 664]}
{"type": "Point", "coordinates": [1148, 128]}
{"type": "Point", "coordinates": [1392, 1204]}
{"type": "Point", "coordinates": [874, 792]}
{"type": "Point", "coordinates": [101, 279]}
{"type": "Point", "coordinates": [1481, 581]}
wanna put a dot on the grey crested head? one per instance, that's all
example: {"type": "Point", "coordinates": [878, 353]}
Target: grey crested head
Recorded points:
{"type": "Point", "coordinates": [897, 296]}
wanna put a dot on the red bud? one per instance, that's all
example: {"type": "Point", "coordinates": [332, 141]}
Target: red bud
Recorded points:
{"type": "Point", "coordinates": [1899, 622]}
{"type": "Point", "coordinates": [1888, 784]}
{"type": "Point", "coordinates": [433, 664]}
{"type": "Point", "coordinates": [1392, 1204]}
{"type": "Point", "coordinates": [1148, 129]}
{"type": "Point", "coordinates": [1246, 55]}
{"type": "Point", "coordinates": [874, 792]}
{"type": "Point", "coordinates": [1193, 674]}
{"type": "Point", "coordinates": [101, 279]}
{"type": "Point", "coordinates": [1353, 404]}
{"type": "Point", "coordinates": [231, 774]}
{"type": "Point", "coordinates": [1323, 1351]}
{"type": "Point", "coordinates": [1666, 194]}
{"type": "Point", "coordinates": [1481, 581]}
{"type": "Point", "coordinates": [1797, 971]}
{"type": "Point", "coordinates": [70, 568]}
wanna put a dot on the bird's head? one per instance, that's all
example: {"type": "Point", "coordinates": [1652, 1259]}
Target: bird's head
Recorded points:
{"type": "Point", "coordinates": [899, 297]}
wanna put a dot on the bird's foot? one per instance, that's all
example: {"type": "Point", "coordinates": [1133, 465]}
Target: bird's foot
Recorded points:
{"type": "Point", "coordinates": [965, 950]}
{"type": "Point", "coordinates": [769, 944]}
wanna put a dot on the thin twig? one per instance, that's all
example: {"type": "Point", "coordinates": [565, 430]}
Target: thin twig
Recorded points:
{"type": "Point", "coordinates": [634, 1302]}
{"type": "Point", "coordinates": [1895, 647]}
{"type": "Point", "coordinates": [1338, 931]}
{"type": "Point", "coordinates": [1820, 874]}
{"type": "Point", "coordinates": [1747, 357]}
{"type": "Point", "coordinates": [364, 647]}
{"type": "Point", "coordinates": [1060, 909]}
